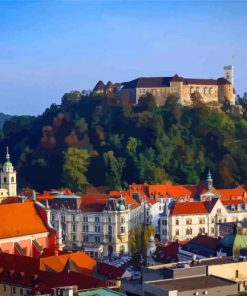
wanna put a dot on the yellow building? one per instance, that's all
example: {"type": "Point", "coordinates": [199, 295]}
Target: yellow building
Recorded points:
{"type": "Point", "coordinates": [211, 90]}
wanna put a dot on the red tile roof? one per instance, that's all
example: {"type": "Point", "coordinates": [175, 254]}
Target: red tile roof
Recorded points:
{"type": "Point", "coordinates": [112, 272]}
{"type": "Point", "coordinates": [20, 219]}
{"type": "Point", "coordinates": [94, 202]}
{"type": "Point", "coordinates": [194, 207]}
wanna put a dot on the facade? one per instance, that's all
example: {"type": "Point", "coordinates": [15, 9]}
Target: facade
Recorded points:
{"type": "Point", "coordinates": [211, 90]}
{"type": "Point", "coordinates": [8, 179]}
{"type": "Point", "coordinates": [99, 224]}
{"type": "Point", "coordinates": [24, 230]}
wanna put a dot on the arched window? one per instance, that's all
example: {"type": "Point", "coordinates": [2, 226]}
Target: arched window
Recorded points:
{"type": "Point", "coordinates": [12, 179]}
{"type": "Point", "coordinates": [205, 90]}
{"type": "Point", "coordinates": [210, 90]}
{"type": "Point", "coordinates": [5, 180]}
{"type": "Point", "coordinates": [192, 90]}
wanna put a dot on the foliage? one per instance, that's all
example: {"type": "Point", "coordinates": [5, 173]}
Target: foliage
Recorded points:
{"type": "Point", "coordinates": [74, 169]}
{"type": "Point", "coordinates": [142, 143]}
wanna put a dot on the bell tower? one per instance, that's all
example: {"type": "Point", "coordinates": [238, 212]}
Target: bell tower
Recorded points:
{"type": "Point", "coordinates": [8, 176]}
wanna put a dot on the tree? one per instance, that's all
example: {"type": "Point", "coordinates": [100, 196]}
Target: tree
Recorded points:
{"type": "Point", "coordinates": [70, 98]}
{"type": "Point", "coordinates": [113, 170]}
{"type": "Point", "coordinates": [132, 242]}
{"type": "Point", "coordinates": [81, 126]}
{"type": "Point", "coordinates": [147, 102]}
{"type": "Point", "coordinates": [75, 166]}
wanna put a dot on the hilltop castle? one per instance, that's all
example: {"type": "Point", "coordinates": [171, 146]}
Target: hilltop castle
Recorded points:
{"type": "Point", "coordinates": [211, 90]}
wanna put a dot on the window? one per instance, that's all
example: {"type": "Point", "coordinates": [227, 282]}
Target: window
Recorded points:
{"type": "Point", "coordinates": [237, 273]}
{"type": "Point", "coordinates": [85, 219]}
{"type": "Point", "coordinates": [109, 219]}
{"type": "Point", "coordinates": [14, 290]}
{"type": "Point", "coordinates": [73, 227]}
{"type": "Point", "coordinates": [212, 229]}
{"type": "Point", "coordinates": [97, 239]}
{"type": "Point", "coordinates": [85, 238]}
{"type": "Point", "coordinates": [96, 219]}
{"type": "Point", "coordinates": [52, 218]}
{"type": "Point", "coordinates": [201, 220]}
{"type": "Point", "coordinates": [85, 228]}
{"type": "Point", "coordinates": [177, 232]}
{"type": "Point", "coordinates": [21, 292]}
{"type": "Point", "coordinates": [4, 288]}
{"type": "Point", "coordinates": [12, 179]}
{"type": "Point", "coordinates": [123, 220]}
{"type": "Point", "coordinates": [177, 222]}
{"type": "Point", "coordinates": [188, 221]}
{"type": "Point", "coordinates": [212, 220]}
{"type": "Point", "coordinates": [109, 229]}
{"type": "Point", "coordinates": [73, 238]}
{"type": "Point", "coordinates": [4, 180]}
{"type": "Point", "coordinates": [97, 228]}
{"type": "Point", "coordinates": [62, 219]}
{"type": "Point", "coordinates": [73, 218]}
{"type": "Point", "coordinates": [189, 231]}
{"type": "Point", "coordinates": [122, 229]}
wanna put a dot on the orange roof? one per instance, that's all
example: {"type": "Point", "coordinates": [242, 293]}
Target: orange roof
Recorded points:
{"type": "Point", "coordinates": [20, 219]}
{"type": "Point", "coordinates": [175, 191]}
{"type": "Point", "coordinates": [80, 260]}
{"type": "Point", "coordinates": [94, 202]}
{"type": "Point", "coordinates": [232, 193]}
{"type": "Point", "coordinates": [194, 207]}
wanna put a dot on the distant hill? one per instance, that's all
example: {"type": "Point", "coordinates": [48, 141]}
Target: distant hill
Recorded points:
{"type": "Point", "coordinates": [3, 118]}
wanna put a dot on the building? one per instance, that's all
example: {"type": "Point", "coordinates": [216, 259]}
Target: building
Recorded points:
{"type": "Point", "coordinates": [24, 229]}
{"type": "Point", "coordinates": [98, 292]}
{"type": "Point", "coordinates": [198, 285]}
{"type": "Point", "coordinates": [227, 269]}
{"type": "Point", "coordinates": [96, 223]}
{"type": "Point", "coordinates": [211, 90]}
{"type": "Point", "coordinates": [8, 179]}
{"type": "Point", "coordinates": [52, 275]}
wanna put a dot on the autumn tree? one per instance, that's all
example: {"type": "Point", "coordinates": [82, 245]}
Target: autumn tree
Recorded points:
{"type": "Point", "coordinates": [75, 166]}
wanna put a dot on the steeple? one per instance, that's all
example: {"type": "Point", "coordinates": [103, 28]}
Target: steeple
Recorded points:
{"type": "Point", "coordinates": [7, 155]}
{"type": "Point", "coordinates": [209, 180]}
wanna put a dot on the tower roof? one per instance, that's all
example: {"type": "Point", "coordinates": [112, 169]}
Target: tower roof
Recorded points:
{"type": "Point", "coordinates": [209, 177]}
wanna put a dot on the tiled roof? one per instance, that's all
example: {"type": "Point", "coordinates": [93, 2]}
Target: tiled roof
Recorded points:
{"type": "Point", "coordinates": [99, 86]}
{"type": "Point", "coordinates": [194, 207]}
{"type": "Point", "coordinates": [175, 191]}
{"type": "Point", "coordinates": [112, 272]}
{"type": "Point", "coordinates": [93, 202]}
{"type": "Point", "coordinates": [81, 261]}
{"type": "Point", "coordinates": [149, 82]}
{"type": "Point", "coordinates": [232, 193]}
{"type": "Point", "coordinates": [20, 219]}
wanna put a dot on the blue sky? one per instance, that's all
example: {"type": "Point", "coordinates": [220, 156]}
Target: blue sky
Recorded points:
{"type": "Point", "coordinates": [48, 48]}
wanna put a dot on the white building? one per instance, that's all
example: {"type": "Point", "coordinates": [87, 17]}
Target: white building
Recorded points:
{"type": "Point", "coordinates": [97, 223]}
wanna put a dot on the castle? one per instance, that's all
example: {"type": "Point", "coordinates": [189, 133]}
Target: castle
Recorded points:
{"type": "Point", "coordinates": [8, 185]}
{"type": "Point", "coordinates": [211, 90]}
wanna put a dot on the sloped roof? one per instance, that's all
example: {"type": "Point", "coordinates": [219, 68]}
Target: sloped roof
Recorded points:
{"type": "Point", "coordinates": [193, 207]}
{"type": "Point", "coordinates": [20, 219]}
{"type": "Point", "coordinates": [165, 81]}
{"type": "Point", "coordinates": [93, 202]}
{"type": "Point", "coordinates": [112, 272]}
{"type": "Point", "coordinates": [99, 86]}
{"type": "Point", "coordinates": [79, 261]}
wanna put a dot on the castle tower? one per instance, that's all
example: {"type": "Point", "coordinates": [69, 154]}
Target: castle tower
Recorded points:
{"type": "Point", "coordinates": [228, 73]}
{"type": "Point", "coordinates": [8, 176]}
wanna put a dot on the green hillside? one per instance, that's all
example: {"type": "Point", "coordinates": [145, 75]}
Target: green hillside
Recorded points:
{"type": "Point", "coordinates": [106, 142]}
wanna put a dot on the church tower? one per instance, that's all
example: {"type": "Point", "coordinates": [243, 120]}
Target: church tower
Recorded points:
{"type": "Point", "coordinates": [8, 176]}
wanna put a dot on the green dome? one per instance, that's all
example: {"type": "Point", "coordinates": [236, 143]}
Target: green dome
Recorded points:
{"type": "Point", "coordinates": [234, 243]}
{"type": "Point", "coordinates": [8, 164]}
{"type": "Point", "coordinates": [122, 207]}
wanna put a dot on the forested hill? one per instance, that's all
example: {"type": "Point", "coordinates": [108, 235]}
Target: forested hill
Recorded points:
{"type": "Point", "coordinates": [104, 142]}
{"type": "Point", "coordinates": [3, 118]}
